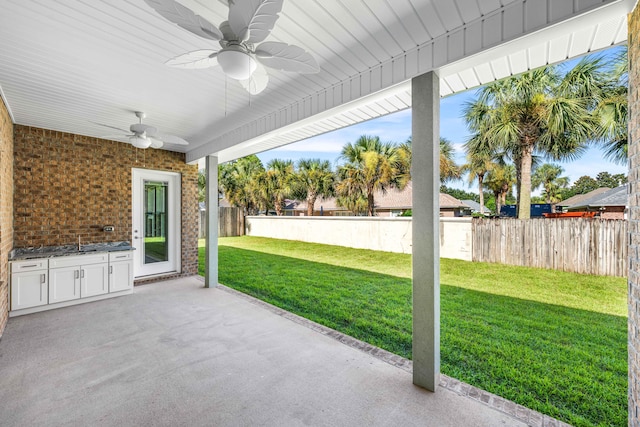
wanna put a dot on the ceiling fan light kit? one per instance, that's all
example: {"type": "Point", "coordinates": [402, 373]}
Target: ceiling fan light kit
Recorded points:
{"type": "Point", "coordinates": [236, 62]}
{"type": "Point", "coordinates": [249, 22]}
{"type": "Point", "coordinates": [140, 141]}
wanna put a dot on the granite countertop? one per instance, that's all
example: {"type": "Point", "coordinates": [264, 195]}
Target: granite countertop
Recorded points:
{"type": "Point", "coordinates": [55, 251]}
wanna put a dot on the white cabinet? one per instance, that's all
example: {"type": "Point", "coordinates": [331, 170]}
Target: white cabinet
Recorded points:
{"type": "Point", "coordinates": [94, 280]}
{"type": "Point", "coordinates": [29, 284]}
{"type": "Point", "coordinates": [80, 276]}
{"type": "Point", "coordinates": [43, 284]}
{"type": "Point", "coordinates": [64, 284]}
{"type": "Point", "coordinates": [120, 271]}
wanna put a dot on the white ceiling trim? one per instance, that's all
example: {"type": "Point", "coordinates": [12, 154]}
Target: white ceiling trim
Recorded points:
{"type": "Point", "coordinates": [320, 123]}
{"type": "Point", "coordinates": [474, 54]}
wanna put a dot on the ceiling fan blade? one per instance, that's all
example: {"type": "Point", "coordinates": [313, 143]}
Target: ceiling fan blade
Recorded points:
{"type": "Point", "coordinates": [170, 139]}
{"type": "Point", "coordinates": [155, 143]}
{"type": "Point", "coordinates": [139, 128]}
{"type": "Point", "coordinates": [185, 18]}
{"type": "Point", "coordinates": [253, 20]}
{"type": "Point", "coordinates": [117, 137]}
{"type": "Point", "coordinates": [257, 82]}
{"type": "Point", "coordinates": [111, 127]}
{"type": "Point", "coordinates": [195, 60]}
{"type": "Point", "coordinates": [282, 56]}
{"type": "Point", "coordinates": [227, 32]}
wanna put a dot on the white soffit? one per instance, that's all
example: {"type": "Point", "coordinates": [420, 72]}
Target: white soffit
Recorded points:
{"type": "Point", "coordinates": [70, 64]}
{"type": "Point", "coordinates": [600, 27]}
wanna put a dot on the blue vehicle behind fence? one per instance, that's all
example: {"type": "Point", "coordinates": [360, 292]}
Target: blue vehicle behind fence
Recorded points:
{"type": "Point", "coordinates": [537, 210]}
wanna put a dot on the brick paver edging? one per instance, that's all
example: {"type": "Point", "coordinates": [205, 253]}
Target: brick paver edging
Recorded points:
{"type": "Point", "coordinates": [529, 416]}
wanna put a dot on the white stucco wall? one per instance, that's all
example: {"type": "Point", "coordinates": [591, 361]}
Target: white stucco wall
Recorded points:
{"type": "Point", "coordinates": [379, 234]}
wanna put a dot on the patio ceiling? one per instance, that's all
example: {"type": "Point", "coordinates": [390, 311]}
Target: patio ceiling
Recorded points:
{"type": "Point", "coordinates": [70, 64]}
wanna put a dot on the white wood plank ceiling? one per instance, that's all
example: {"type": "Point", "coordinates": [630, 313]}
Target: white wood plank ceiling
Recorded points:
{"type": "Point", "coordinates": [70, 64]}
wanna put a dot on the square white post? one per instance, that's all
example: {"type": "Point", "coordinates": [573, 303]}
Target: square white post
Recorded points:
{"type": "Point", "coordinates": [211, 203]}
{"type": "Point", "coordinates": [425, 174]}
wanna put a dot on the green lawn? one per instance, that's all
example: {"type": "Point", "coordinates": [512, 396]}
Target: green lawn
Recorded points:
{"type": "Point", "coordinates": [552, 341]}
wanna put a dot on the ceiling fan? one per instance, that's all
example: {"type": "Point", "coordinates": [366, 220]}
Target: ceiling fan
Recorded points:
{"type": "Point", "coordinates": [144, 136]}
{"type": "Point", "coordinates": [249, 22]}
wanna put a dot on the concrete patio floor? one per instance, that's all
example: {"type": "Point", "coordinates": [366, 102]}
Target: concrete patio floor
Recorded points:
{"type": "Point", "coordinates": [174, 354]}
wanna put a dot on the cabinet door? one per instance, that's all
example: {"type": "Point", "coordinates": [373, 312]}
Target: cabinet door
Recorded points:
{"type": "Point", "coordinates": [94, 280]}
{"type": "Point", "coordinates": [64, 284]}
{"type": "Point", "coordinates": [121, 276]}
{"type": "Point", "coordinates": [29, 289]}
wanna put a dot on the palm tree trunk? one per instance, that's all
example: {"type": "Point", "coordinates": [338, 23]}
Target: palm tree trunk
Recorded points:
{"type": "Point", "coordinates": [518, 162]}
{"type": "Point", "coordinates": [370, 203]}
{"type": "Point", "coordinates": [480, 180]}
{"type": "Point", "coordinates": [497, 195]}
{"type": "Point", "coordinates": [311, 201]}
{"type": "Point", "coordinates": [279, 203]}
{"type": "Point", "coordinates": [524, 194]}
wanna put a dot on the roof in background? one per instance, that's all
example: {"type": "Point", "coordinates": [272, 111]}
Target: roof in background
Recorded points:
{"type": "Point", "coordinates": [579, 198]}
{"type": "Point", "coordinates": [475, 206]}
{"type": "Point", "coordinates": [449, 202]}
{"type": "Point", "coordinates": [392, 199]}
{"type": "Point", "coordinates": [613, 197]}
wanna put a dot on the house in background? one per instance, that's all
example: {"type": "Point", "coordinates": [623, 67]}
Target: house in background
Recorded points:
{"type": "Point", "coordinates": [578, 199]}
{"type": "Point", "coordinates": [392, 203]}
{"type": "Point", "coordinates": [611, 204]}
{"type": "Point", "coordinates": [475, 207]}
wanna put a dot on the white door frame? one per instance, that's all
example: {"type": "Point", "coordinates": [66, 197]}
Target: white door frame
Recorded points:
{"type": "Point", "coordinates": [174, 220]}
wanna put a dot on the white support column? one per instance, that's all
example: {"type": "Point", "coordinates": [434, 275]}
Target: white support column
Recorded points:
{"type": "Point", "coordinates": [425, 174]}
{"type": "Point", "coordinates": [211, 202]}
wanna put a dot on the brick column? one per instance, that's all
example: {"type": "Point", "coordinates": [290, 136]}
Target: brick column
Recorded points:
{"type": "Point", "coordinates": [634, 217]}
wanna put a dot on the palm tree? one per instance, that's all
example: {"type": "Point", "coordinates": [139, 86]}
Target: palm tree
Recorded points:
{"type": "Point", "coordinates": [449, 170]}
{"type": "Point", "coordinates": [479, 162]}
{"type": "Point", "coordinates": [370, 166]}
{"type": "Point", "coordinates": [278, 183]}
{"type": "Point", "coordinates": [540, 111]}
{"type": "Point", "coordinates": [611, 113]}
{"type": "Point", "coordinates": [500, 180]}
{"type": "Point", "coordinates": [238, 181]}
{"type": "Point", "coordinates": [548, 176]}
{"type": "Point", "coordinates": [314, 179]}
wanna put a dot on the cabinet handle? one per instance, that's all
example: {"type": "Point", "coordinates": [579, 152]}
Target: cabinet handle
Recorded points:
{"type": "Point", "coordinates": [111, 269]}
{"type": "Point", "coordinates": [121, 256]}
{"type": "Point", "coordinates": [76, 274]}
{"type": "Point", "coordinates": [30, 266]}
{"type": "Point", "coordinates": [82, 273]}
{"type": "Point", "coordinates": [43, 278]}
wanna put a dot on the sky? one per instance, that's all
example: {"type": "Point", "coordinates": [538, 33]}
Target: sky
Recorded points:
{"type": "Point", "coordinates": [396, 127]}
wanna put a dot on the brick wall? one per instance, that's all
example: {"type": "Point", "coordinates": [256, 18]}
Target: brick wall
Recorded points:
{"type": "Point", "coordinates": [634, 217]}
{"type": "Point", "coordinates": [70, 185]}
{"type": "Point", "coordinates": [6, 208]}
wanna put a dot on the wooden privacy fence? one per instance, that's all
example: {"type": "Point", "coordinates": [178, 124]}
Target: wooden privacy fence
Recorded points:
{"type": "Point", "coordinates": [230, 222]}
{"type": "Point", "coordinates": [581, 245]}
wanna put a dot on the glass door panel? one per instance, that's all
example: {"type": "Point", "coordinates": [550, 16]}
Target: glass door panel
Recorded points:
{"type": "Point", "coordinates": [156, 243]}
